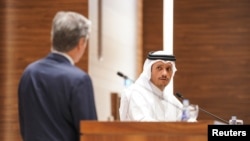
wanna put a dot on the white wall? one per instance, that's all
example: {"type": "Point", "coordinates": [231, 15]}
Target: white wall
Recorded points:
{"type": "Point", "coordinates": [118, 46]}
{"type": "Point", "coordinates": [168, 22]}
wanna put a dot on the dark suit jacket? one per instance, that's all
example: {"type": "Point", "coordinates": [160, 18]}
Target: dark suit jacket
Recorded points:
{"type": "Point", "coordinates": [54, 96]}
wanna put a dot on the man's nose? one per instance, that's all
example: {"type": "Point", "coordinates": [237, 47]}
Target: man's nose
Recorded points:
{"type": "Point", "coordinates": [167, 74]}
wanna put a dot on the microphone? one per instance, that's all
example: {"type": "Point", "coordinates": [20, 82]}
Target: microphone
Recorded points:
{"type": "Point", "coordinates": [181, 97]}
{"type": "Point", "coordinates": [127, 81]}
{"type": "Point", "coordinates": [122, 75]}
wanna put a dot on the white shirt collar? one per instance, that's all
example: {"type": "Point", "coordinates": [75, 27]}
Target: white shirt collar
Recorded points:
{"type": "Point", "coordinates": [63, 54]}
{"type": "Point", "coordinates": [156, 90]}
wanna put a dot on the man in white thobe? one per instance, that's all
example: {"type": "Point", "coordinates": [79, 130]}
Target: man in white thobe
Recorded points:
{"type": "Point", "coordinates": [148, 99]}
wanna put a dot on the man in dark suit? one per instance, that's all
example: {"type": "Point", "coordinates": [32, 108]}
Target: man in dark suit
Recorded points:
{"type": "Point", "coordinates": [54, 94]}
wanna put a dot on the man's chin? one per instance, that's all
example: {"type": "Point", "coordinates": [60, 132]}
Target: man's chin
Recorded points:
{"type": "Point", "coordinates": [165, 84]}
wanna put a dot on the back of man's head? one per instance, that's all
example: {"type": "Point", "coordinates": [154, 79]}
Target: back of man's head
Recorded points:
{"type": "Point", "coordinates": [67, 28]}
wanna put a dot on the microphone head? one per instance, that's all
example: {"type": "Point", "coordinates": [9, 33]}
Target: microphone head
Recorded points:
{"type": "Point", "coordinates": [121, 75]}
{"type": "Point", "coordinates": [179, 95]}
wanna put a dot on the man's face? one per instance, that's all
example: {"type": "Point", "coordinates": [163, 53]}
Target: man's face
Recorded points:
{"type": "Point", "coordinates": [161, 74]}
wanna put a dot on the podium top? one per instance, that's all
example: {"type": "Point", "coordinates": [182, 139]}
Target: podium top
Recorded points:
{"type": "Point", "coordinates": [118, 127]}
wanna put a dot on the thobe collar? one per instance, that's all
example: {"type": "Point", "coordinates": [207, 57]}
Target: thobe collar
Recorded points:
{"type": "Point", "coordinates": [156, 91]}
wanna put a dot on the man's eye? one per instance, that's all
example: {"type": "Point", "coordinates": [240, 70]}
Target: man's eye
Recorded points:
{"type": "Point", "coordinates": [169, 69]}
{"type": "Point", "coordinates": [159, 68]}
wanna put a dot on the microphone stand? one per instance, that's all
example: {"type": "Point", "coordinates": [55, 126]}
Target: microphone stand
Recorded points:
{"type": "Point", "coordinates": [214, 116]}
{"type": "Point", "coordinates": [181, 97]}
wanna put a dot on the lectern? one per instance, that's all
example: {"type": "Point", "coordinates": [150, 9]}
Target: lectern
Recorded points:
{"type": "Point", "coordinates": [143, 131]}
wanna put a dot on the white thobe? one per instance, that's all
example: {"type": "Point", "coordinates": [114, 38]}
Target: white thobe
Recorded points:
{"type": "Point", "coordinates": [140, 104]}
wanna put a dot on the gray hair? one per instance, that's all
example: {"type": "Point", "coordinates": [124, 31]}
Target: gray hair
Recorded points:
{"type": "Point", "coordinates": [67, 29]}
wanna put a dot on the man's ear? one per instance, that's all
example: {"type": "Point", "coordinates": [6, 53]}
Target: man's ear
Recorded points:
{"type": "Point", "coordinates": [81, 43]}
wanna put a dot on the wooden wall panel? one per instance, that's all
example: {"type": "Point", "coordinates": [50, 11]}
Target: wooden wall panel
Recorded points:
{"type": "Point", "coordinates": [26, 28]}
{"type": "Point", "coordinates": [212, 46]}
{"type": "Point", "coordinates": [152, 26]}
{"type": "Point", "coordinates": [2, 65]}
